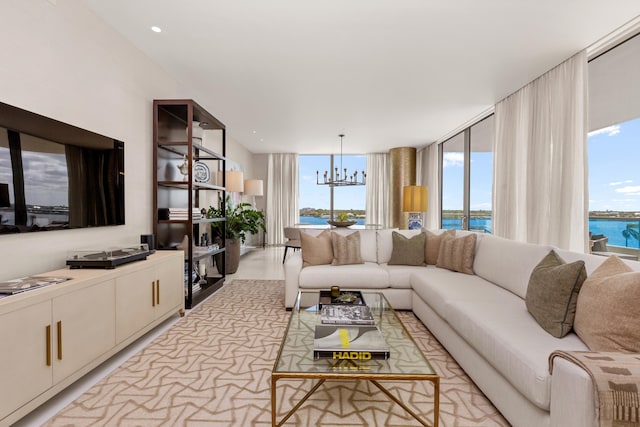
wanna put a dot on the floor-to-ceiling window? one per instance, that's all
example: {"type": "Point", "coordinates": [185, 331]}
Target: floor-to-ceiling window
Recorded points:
{"type": "Point", "coordinates": [466, 161]}
{"type": "Point", "coordinates": [320, 203]}
{"type": "Point", "coordinates": [614, 145]}
{"type": "Point", "coordinates": [453, 161]}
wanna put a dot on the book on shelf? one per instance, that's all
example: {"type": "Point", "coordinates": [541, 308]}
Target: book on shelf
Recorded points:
{"type": "Point", "coordinates": [178, 214]}
{"type": "Point", "coordinates": [349, 342]}
{"type": "Point", "coordinates": [342, 314]}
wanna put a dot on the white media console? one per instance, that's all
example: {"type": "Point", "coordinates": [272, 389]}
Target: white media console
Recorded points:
{"type": "Point", "coordinates": [52, 336]}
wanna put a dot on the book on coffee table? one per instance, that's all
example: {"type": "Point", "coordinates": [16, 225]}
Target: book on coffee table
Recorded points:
{"type": "Point", "coordinates": [360, 343]}
{"type": "Point", "coordinates": [339, 314]}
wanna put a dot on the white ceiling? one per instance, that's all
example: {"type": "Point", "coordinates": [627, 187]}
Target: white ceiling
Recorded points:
{"type": "Point", "coordinates": [387, 73]}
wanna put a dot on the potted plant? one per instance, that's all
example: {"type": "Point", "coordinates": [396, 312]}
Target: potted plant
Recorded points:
{"type": "Point", "coordinates": [240, 220]}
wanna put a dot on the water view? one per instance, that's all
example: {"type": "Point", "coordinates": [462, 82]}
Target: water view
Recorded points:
{"type": "Point", "coordinates": [620, 231]}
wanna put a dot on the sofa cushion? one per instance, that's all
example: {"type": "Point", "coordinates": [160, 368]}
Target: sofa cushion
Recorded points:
{"type": "Point", "coordinates": [346, 249]}
{"type": "Point", "coordinates": [436, 285]}
{"type": "Point", "coordinates": [385, 242]}
{"type": "Point", "coordinates": [400, 275]}
{"type": "Point", "coordinates": [505, 334]}
{"type": "Point", "coordinates": [432, 244]}
{"type": "Point", "coordinates": [407, 250]}
{"type": "Point", "coordinates": [553, 292]}
{"type": "Point", "coordinates": [607, 311]}
{"type": "Point", "coordinates": [508, 263]}
{"type": "Point", "coordinates": [316, 250]}
{"type": "Point", "coordinates": [456, 253]}
{"type": "Point", "coordinates": [592, 262]}
{"type": "Point", "coordinates": [354, 276]}
{"type": "Point", "coordinates": [492, 320]}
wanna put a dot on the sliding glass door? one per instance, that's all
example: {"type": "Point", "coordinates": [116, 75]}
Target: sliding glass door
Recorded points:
{"type": "Point", "coordinates": [466, 165]}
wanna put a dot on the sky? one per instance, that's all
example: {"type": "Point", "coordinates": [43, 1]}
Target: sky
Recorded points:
{"type": "Point", "coordinates": [614, 176]}
{"type": "Point", "coordinates": [317, 196]}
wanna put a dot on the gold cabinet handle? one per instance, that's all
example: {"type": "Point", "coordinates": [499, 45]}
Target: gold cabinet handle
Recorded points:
{"type": "Point", "coordinates": [48, 339]}
{"type": "Point", "coordinates": [158, 291]}
{"type": "Point", "coordinates": [59, 325]}
{"type": "Point", "coordinates": [153, 293]}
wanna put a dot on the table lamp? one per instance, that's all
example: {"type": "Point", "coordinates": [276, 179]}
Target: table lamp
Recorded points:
{"type": "Point", "coordinates": [414, 201]}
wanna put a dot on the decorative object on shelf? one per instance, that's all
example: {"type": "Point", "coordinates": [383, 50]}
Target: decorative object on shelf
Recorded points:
{"type": "Point", "coordinates": [201, 172]}
{"type": "Point", "coordinates": [240, 219]}
{"type": "Point", "coordinates": [334, 178]}
{"type": "Point", "coordinates": [414, 201]}
{"type": "Point", "coordinates": [196, 132]}
{"type": "Point", "coordinates": [184, 167]}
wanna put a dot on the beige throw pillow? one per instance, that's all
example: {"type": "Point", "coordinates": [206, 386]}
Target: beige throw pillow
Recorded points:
{"type": "Point", "coordinates": [552, 293]}
{"type": "Point", "coordinates": [316, 250]}
{"type": "Point", "coordinates": [457, 253]}
{"type": "Point", "coordinates": [432, 245]}
{"type": "Point", "coordinates": [407, 251]}
{"type": "Point", "coordinates": [607, 313]}
{"type": "Point", "coordinates": [346, 249]}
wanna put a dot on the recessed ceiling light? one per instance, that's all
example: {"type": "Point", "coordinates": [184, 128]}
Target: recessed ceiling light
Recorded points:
{"type": "Point", "coordinates": [254, 131]}
{"type": "Point", "coordinates": [156, 29]}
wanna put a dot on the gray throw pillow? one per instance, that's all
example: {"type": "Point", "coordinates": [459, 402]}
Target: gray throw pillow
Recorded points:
{"type": "Point", "coordinates": [407, 251]}
{"type": "Point", "coordinates": [552, 293]}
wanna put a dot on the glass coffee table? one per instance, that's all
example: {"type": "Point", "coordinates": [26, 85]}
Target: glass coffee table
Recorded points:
{"type": "Point", "coordinates": [295, 359]}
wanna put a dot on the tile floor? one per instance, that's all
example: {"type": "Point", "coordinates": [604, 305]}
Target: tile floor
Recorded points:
{"type": "Point", "coordinates": [259, 263]}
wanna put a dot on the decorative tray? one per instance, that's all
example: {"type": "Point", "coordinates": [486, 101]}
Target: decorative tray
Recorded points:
{"type": "Point", "coordinates": [346, 297]}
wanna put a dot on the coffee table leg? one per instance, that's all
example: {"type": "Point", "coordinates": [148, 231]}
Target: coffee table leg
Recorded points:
{"type": "Point", "coordinates": [295, 408]}
{"type": "Point", "coordinates": [273, 400]}
{"type": "Point", "coordinates": [436, 401]}
{"type": "Point", "coordinates": [405, 407]}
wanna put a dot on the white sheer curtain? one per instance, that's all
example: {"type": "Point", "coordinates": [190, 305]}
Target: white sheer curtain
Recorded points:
{"type": "Point", "coordinates": [427, 173]}
{"type": "Point", "coordinates": [282, 195]}
{"type": "Point", "coordinates": [540, 192]}
{"type": "Point", "coordinates": [377, 191]}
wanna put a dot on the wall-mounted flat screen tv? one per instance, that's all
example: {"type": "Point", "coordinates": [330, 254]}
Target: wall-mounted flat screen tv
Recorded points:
{"type": "Point", "coordinates": [57, 176]}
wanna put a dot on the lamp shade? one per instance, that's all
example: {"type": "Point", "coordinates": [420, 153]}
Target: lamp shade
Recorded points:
{"type": "Point", "coordinates": [253, 187]}
{"type": "Point", "coordinates": [234, 181]}
{"type": "Point", "coordinates": [414, 198]}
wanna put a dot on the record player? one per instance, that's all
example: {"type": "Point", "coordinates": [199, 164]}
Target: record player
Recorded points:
{"type": "Point", "coordinates": [107, 258]}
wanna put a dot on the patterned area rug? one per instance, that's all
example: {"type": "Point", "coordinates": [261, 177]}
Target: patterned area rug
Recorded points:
{"type": "Point", "coordinates": [213, 368]}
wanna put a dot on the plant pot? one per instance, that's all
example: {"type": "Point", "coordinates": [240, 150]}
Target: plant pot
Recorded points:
{"type": "Point", "coordinates": [232, 257]}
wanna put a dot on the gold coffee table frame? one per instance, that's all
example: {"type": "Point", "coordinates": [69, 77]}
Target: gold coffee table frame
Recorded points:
{"type": "Point", "coordinates": [295, 358]}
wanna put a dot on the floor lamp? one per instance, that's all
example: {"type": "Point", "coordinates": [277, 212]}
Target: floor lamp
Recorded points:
{"type": "Point", "coordinates": [414, 201]}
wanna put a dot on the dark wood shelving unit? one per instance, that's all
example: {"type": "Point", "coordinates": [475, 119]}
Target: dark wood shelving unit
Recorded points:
{"type": "Point", "coordinates": [175, 143]}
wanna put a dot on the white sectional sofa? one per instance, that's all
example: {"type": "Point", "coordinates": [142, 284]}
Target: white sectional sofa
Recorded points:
{"type": "Point", "coordinates": [481, 320]}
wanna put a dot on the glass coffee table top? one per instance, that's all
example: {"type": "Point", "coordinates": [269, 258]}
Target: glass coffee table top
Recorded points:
{"type": "Point", "coordinates": [296, 352]}
{"type": "Point", "coordinates": [295, 360]}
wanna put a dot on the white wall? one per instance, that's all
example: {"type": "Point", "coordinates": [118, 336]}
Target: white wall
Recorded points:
{"type": "Point", "coordinates": [63, 62]}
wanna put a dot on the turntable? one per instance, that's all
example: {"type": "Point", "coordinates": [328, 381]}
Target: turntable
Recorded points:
{"type": "Point", "coordinates": [108, 258]}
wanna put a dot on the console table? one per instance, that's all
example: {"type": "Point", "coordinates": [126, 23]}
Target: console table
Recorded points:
{"type": "Point", "coordinates": [52, 336]}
